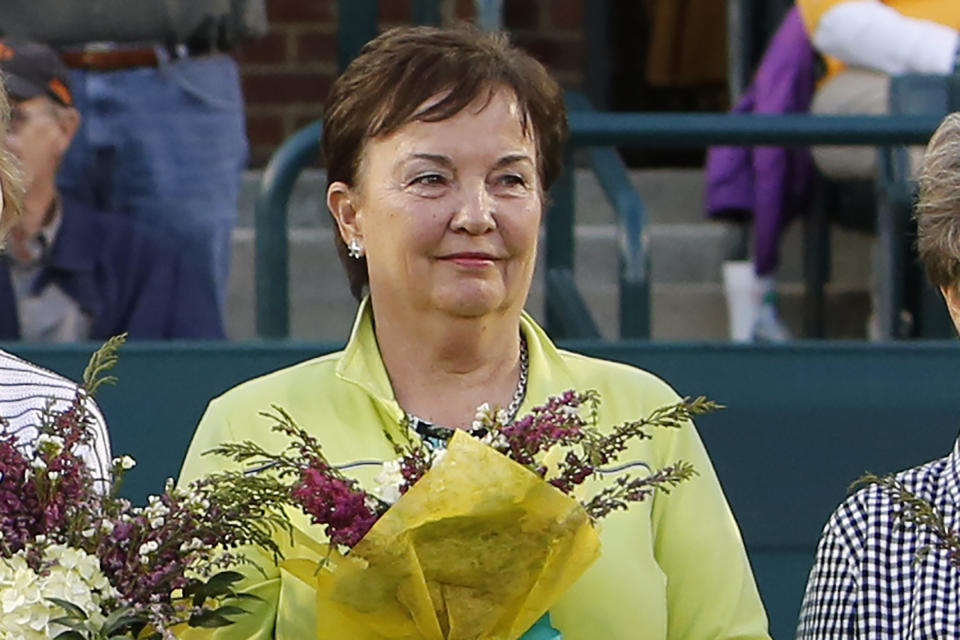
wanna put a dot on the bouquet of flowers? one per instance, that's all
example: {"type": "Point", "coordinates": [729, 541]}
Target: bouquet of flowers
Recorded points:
{"type": "Point", "coordinates": [476, 540]}
{"type": "Point", "coordinates": [78, 562]}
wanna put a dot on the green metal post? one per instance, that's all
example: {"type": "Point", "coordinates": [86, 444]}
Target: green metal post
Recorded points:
{"type": "Point", "coordinates": [559, 231]}
{"type": "Point", "coordinates": [270, 219]}
{"type": "Point", "coordinates": [357, 25]}
{"type": "Point", "coordinates": [427, 12]}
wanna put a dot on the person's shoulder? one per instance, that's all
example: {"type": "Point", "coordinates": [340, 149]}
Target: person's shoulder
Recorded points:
{"type": "Point", "coordinates": [125, 233]}
{"type": "Point", "coordinates": [616, 375]}
{"type": "Point", "coordinates": [16, 371]}
{"type": "Point", "coordinates": [28, 390]}
{"type": "Point", "coordinates": [111, 239]}
{"type": "Point", "coordinates": [303, 379]}
{"type": "Point", "coordinates": [922, 481]}
{"type": "Point", "coordinates": [871, 510]}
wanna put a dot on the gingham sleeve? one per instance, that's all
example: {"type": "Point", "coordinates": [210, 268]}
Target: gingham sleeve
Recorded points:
{"type": "Point", "coordinates": [830, 602]}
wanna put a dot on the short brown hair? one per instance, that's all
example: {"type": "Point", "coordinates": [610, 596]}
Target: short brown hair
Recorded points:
{"type": "Point", "coordinates": [938, 206]}
{"type": "Point", "coordinates": [11, 183]}
{"type": "Point", "coordinates": [402, 68]}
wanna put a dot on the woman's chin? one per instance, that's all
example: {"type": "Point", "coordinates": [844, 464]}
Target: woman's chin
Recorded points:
{"type": "Point", "coordinates": [471, 304]}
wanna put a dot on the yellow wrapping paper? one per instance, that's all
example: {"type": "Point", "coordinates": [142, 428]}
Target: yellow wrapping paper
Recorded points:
{"type": "Point", "coordinates": [478, 549]}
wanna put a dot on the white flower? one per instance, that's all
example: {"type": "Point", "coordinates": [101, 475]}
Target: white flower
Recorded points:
{"type": "Point", "coordinates": [50, 443]}
{"type": "Point", "coordinates": [126, 462]}
{"type": "Point", "coordinates": [483, 416]}
{"type": "Point", "coordinates": [67, 573]}
{"type": "Point", "coordinates": [436, 456]}
{"type": "Point", "coordinates": [155, 511]}
{"type": "Point", "coordinates": [146, 549]}
{"type": "Point", "coordinates": [192, 545]}
{"type": "Point", "coordinates": [388, 482]}
{"type": "Point", "coordinates": [494, 439]}
{"type": "Point", "coordinates": [54, 475]}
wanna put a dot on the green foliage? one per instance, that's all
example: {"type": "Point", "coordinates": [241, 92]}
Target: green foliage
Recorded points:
{"type": "Point", "coordinates": [127, 622]}
{"type": "Point", "coordinates": [917, 511]}
{"type": "Point", "coordinates": [102, 360]}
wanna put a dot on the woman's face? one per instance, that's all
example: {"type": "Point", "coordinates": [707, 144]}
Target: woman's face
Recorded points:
{"type": "Point", "coordinates": [448, 212]}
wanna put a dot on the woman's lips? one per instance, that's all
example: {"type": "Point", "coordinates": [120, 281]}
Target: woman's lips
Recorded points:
{"type": "Point", "coordinates": [470, 259]}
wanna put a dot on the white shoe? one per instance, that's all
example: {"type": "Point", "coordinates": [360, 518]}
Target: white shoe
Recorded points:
{"type": "Point", "coordinates": [767, 326]}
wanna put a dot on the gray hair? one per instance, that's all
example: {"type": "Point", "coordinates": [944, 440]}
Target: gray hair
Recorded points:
{"type": "Point", "coordinates": [938, 207]}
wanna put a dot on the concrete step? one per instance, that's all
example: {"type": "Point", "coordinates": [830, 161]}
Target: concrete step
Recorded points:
{"type": "Point", "coordinates": [684, 245]}
{"type": "Point", "coordinates": [683, 308]}
{"type": "Point", "coordinates": [686, 256]}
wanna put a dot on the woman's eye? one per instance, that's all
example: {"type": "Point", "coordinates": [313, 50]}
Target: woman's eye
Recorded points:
{"type": "Point", "coordinates": [429, 180]}
{"type": "Point", "coordinates": [511, 180]}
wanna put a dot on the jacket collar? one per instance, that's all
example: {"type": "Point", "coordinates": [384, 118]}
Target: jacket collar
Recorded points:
{"type": "Point", "coordinates": [362, 365]}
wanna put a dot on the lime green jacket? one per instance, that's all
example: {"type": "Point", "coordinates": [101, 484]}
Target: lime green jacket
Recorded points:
{"type": "Point", "coordinates": [671, 567]}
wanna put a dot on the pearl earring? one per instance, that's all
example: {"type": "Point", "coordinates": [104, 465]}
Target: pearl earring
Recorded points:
{"type": "Point", "coordinates": [354, 249]}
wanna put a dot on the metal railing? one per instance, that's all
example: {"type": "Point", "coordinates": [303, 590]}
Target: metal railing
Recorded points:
{"type": "Point", "coordinates": [586, 130]}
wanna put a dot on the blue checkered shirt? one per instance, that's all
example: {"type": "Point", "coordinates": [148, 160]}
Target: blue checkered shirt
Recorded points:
{"type": "Point", "coordinates": [866, 582]}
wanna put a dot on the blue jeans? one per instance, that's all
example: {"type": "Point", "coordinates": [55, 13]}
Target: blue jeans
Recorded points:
{"type": "Point", "coordinates": [167, 145]}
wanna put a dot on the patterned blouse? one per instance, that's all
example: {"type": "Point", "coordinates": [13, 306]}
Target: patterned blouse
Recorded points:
{"type": "Point", "coordinates": [867, 582]}
{"type": "Point", "coordinates": [25, 391]}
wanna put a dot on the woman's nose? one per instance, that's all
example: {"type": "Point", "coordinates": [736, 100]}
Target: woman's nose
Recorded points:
{"type": "Point", "coordinates": [476, 211]}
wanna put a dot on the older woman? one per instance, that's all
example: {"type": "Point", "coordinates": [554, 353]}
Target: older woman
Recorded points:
{"type": "Point", "coordinates": [867, 580]}
{"type": "Point", "coordinates": [26, 389]}
{"type": "Point", "coordinates": [440, 146]}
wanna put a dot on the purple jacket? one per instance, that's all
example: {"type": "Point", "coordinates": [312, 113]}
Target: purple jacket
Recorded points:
{"type": "Point", "coordinates": [769, 184]}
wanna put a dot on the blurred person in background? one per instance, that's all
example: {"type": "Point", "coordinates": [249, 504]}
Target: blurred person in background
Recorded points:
{"type": "Point", "coordinates": [163, 137]}
{"type": "Point", "coordinates": [28, 390]}
{"type": "Point", "coordinates": [864, 42]}
{"type": "Point", "coordinates": [870, 579]}
{"type": "Point", "coordinates": [71, 272]}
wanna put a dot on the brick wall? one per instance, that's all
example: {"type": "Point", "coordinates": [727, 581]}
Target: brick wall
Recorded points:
{"type": "Point", "coordinates": [286, 74]}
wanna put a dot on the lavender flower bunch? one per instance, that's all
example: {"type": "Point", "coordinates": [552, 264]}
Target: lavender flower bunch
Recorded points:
{"type": "Point", "coordinates": [567, 425]}
{"type": "Point", "coordinates": [564, 425]}
{"type": "Point", "coordinates": [78, 562]}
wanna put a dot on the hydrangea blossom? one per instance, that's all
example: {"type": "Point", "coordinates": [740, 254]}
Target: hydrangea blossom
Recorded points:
{"type": "Point", "coordinates": [67, 535]}
{"type": "Point", "coordinates": [69, 574]}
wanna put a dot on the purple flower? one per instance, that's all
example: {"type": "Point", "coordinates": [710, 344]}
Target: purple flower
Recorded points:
{"type": "Point", "coordinates": [335, 503]}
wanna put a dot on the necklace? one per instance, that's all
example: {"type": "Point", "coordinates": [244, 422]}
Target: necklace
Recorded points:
{"type": "Point", "coordinates": [437, 435]}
